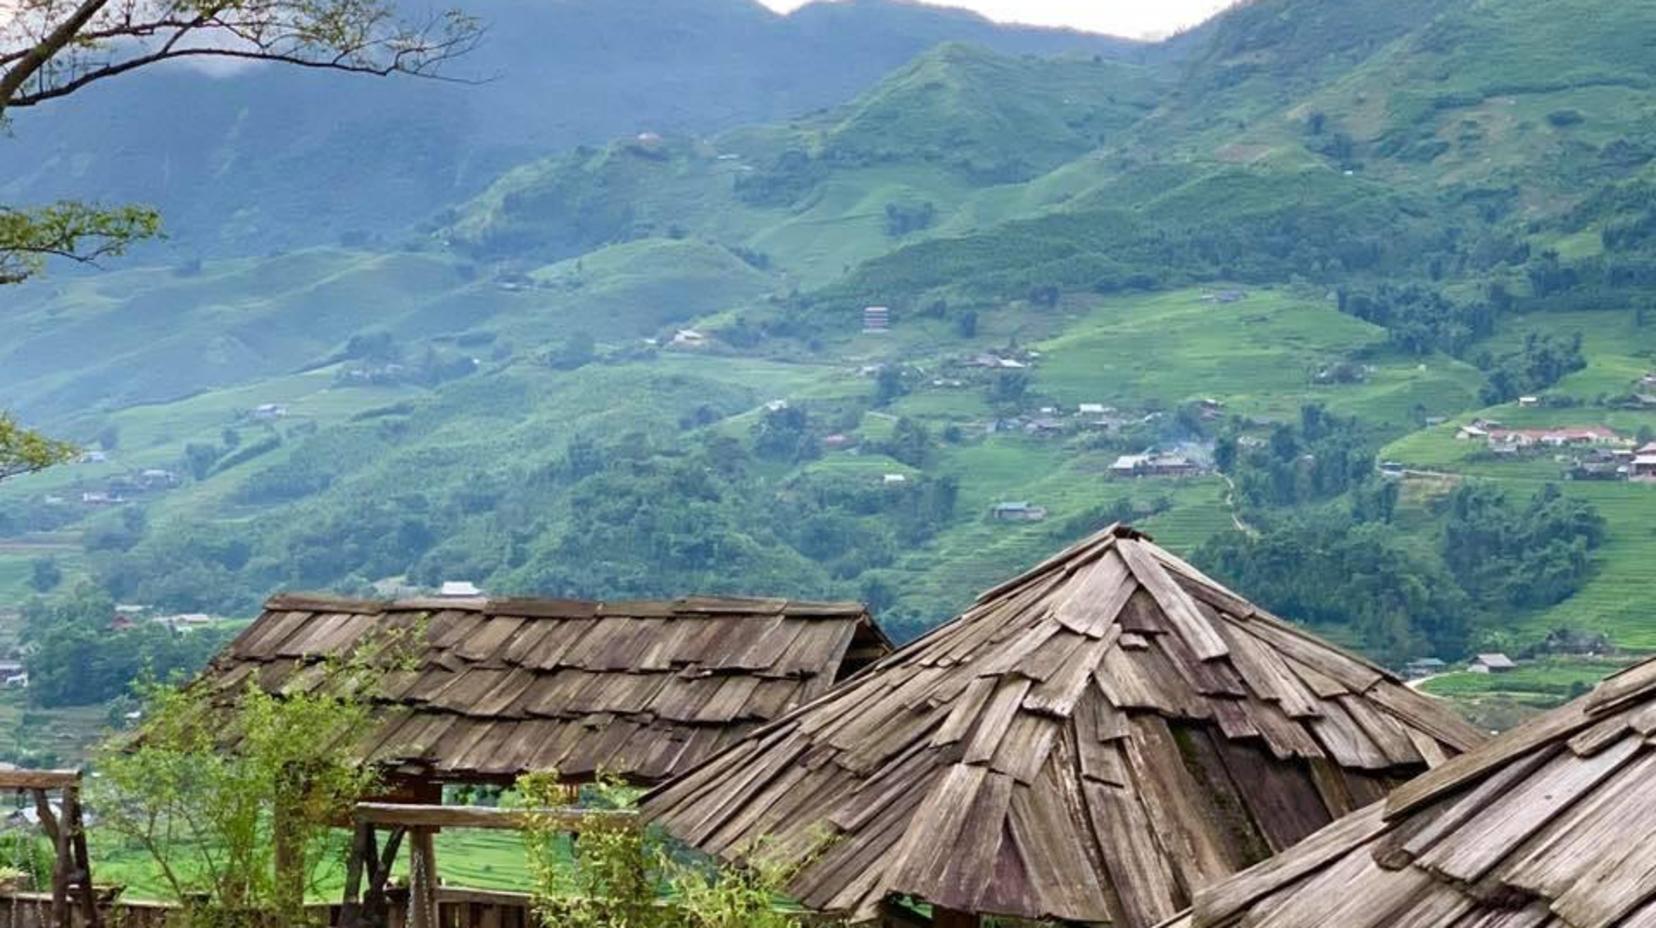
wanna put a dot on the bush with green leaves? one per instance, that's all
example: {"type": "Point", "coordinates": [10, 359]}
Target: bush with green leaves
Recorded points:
{"type": "Point", "coordinates": [614, 875]}
{"type": "Point", "coordinates": [236, 806]}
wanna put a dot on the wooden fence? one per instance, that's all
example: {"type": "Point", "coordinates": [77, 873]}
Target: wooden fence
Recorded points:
{"type": "Point", "coordinates": [455, 908]}
{"type": "Point", "coordinates": [370, 899]}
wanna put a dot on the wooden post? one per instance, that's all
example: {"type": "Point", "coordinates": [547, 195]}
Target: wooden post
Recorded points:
{"type": "Point", "coordinates": [422, 878]}
{"type": "Point", "coordinates": [375, 907]}
{"type": "Point", "coordinates": [62, 862]}
{"type": "Point", "coordinates": [362, 849]}
{"type": "Point", "coordinates": [74, 822]}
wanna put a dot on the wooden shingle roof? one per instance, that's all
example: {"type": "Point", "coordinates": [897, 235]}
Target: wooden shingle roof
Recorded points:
{"type": "Point", "coordinates": [1090, 741]}
{"type": "Point", "coordinates": [1550, 825]}
{"type": "Point", "coordinates": [493, 688]}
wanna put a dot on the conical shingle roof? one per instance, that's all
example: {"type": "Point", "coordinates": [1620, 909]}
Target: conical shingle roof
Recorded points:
{"type": "Point", "coordinates": [1551, 825]}
{"type": "Point", "coordinates": [1092, 741]}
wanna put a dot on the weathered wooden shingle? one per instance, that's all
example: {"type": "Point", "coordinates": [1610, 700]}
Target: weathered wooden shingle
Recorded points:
{"type": "Point", "coordinates": [1551, 825]}
{"type": "Point", "coordinates": [492, 688]}
{"type": "Point", "coordinates": [1092, 741]}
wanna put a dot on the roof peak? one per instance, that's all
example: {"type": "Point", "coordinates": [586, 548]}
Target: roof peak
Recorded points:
{"type": "Point", "coordinates": [1096, 707]}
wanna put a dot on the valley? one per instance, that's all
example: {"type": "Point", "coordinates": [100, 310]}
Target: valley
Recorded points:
{"type": "Point", "coordinates": [1294, 251]}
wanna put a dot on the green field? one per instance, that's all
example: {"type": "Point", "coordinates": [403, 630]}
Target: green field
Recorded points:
{"type": "Point", "coordinates": [468, 858]}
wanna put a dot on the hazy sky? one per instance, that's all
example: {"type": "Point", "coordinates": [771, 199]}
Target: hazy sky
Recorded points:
{"type": "Point", "coordinates": [1117, 17]}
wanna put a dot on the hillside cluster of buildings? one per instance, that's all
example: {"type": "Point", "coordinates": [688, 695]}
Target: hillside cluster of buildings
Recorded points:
{"type": "Point", "coordinates": [1593, 452]}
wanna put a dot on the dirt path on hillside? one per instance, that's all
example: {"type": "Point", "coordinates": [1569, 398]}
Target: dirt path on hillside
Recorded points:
{"type": "Point", "coordinates": [1236, 514]}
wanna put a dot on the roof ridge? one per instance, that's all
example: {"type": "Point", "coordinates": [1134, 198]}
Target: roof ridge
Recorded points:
{"type": "Point", "coordinates": [533, 605]}
{"type": "Point", "coordinates": [1087, 547]}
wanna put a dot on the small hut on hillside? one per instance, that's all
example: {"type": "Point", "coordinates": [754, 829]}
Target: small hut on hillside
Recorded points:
{"type": "Point", "coordinates": [1550, 825]}
{"type": "Point", "coordinates": [493, 688]}
{"type": "Point", "coordinates": [1092, 741]}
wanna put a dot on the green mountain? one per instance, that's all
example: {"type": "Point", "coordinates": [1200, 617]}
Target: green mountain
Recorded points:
{"type": "Point", "coordinates": [1306, 241]}
{"type": "Point", "coordinates": [246, 160]}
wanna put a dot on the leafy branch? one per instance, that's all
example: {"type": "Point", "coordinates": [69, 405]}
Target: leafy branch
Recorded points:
{"type": "Point", "coordinates": [76, 231]}
{"type": "Point", "coordinates": [23, 451]}
{"type": "Point", "coordinates": [51, 48]}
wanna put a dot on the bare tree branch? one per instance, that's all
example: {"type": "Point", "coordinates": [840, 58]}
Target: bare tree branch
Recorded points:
{"type": "Point", "coordinates": [50, 49]}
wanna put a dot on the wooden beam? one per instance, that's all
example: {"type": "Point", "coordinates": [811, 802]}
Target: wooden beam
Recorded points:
{"type": "Point", "coordinates": [422, 816]}
{"type": "Point", "coordinates": [39, 779]}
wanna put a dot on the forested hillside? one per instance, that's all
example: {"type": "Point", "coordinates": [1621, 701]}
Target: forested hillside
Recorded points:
{"type": "Point", "coordinates": [1347, 301]}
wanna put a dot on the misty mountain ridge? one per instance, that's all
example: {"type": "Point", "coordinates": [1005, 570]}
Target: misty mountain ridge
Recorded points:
{"type": "Point", "coordinates": [261, 158]}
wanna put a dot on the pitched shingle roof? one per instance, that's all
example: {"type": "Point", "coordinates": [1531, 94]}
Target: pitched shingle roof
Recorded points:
{"type": "Point", "coordinates": [1551, 825]}
{"type": "Point", "coordinates": [1091, 741]}
{"type": "Point", "coordinates": [498, 687]}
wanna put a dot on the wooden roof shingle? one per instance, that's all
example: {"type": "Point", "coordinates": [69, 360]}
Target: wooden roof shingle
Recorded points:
{"type": "Point", "coordinates": [1550, 825]}
{"type": "Point", "coordinates": [491, 688]}
{"type": "Point", "coordinates": [1092, 741]}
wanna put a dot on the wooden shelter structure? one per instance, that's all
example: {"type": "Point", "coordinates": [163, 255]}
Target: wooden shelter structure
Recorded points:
{"type": "Point", "coordinates": [484, 690]}
{"type": "Point", "coordinates": [1550, 825]}
{"type": "Point", "coordinates": [65, 826]}
{"type": "Point", "coordinates": [1092, 741]}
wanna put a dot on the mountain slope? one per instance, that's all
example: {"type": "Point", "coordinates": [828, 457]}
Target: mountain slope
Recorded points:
{"type": "Point", "coordinates": [1203, 246]}
{"type": "Point", "coordinates": [250, 159]}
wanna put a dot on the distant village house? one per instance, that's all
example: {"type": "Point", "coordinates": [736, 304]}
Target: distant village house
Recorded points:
{"type": "Point", "coordinates": [1017, 512]}
{"type": "Point", "coordinates": [1492, 663]}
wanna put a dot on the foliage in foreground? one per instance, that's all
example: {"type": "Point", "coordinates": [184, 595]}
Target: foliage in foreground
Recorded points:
{"type": "Point", "coordinates": [236, 807]}
{"type": "Point", "coordinates": [23, 451]}
{"type": "Point", "coordinates": [634, 878]}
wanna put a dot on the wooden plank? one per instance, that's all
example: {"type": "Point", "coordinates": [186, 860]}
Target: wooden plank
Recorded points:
{"type": "Point", "coordinates": [1055, 841]}
{"type": "Point", "coordinates": [1553, 862]}
{"type": "Point", "coordinates": [1058, 694]}
{"type": "Point", "coordinates": [1346, 740]}
{"type": "Point", "coordinates": [1351, 671]}
{"type": "Point", "coordinates": [426, 816]}
{"type": "Point", "coordinates": [1538, 734]}
{"type": "Point", "coordinates": [996, 719]}
{"type": "Point", "coordinates": [1280, 796]}
{"type": "Point", "coordinates": [1076, 554]}
{"type": "Point", "coordinates": [934, 829]}
{"type": "Point", "coordinates": [1145, 886]}
{"type": "Point", "coordinates": [1324, 686]}
{"type": "Point", "coordinates": [1180, 610]}
{"type": "Point", "coordinates": [1090, 601]}
{"type": "Point", "coordinates": [1268, 676]}
{"type": "Point", "coordinates": [1024, 750]}
{"type": "Point", "coordinates": [1622, 878]}
{"type": "Point", "coordinates": [1629, 684]}
{"type": "Point", "coordinates": [965, 711]}
{"type": "Point", "coordinates": [1170, 797]}
{"type": "Point", "coordinates": [39, 779]}
{"type": "Point", "coordinates": [1428, 714]}
{"type": "Point", "coordinates": [1220, 901]}
{"type": "Point", "coordinates": [1483, 840]}
{"type": "Point", "coordinates": [963, 876]}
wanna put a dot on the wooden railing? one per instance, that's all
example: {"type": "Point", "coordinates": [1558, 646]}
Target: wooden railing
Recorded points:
{"type": "Point", "coordinates": [455, 908]}
{"type": "Point", "coordinates": [370, 901]}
